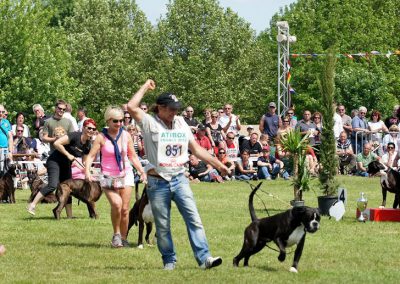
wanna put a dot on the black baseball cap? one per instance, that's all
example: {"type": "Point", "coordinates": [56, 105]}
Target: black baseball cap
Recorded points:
{"type": "Point", "coordinates": [169, 100]}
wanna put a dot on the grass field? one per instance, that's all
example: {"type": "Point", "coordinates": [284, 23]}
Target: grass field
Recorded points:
{"type": "Point", "coordinates": [41, 249]}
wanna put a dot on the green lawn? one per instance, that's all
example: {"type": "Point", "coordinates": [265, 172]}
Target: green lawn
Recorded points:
{"type": "Point", "coordinates": [41, 249]}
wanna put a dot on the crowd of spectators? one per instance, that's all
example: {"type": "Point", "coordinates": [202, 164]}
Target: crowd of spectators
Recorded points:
{"type": "Point", "coordinates": [260, 155]}
{"type": "Point", "coordinates": [250, 154]}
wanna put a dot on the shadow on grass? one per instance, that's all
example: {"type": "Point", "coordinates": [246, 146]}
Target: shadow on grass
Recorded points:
{"type": "Point", "coordinates": [258, 267]}
{"type": "Point", "coordinates": [79, 245]}
{"type": "Point", "coordinates": [30, 218]}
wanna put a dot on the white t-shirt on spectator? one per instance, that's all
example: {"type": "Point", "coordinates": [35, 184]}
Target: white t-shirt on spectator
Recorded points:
{"type": "Point", "coordinates": [375, 126]}
{"type": "Point", "coordinates": [68, 116]}
{"type": "Point", "coordinates": [385, 159]}
{"type": "Point", "coordinates": [224, 120]}
{"type": "Point", "coordinates": [389, 138]}
{"type": "Point", "coordinates": [338, 125]}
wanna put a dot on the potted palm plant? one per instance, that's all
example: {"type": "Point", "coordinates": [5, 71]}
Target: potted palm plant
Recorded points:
{"type": "Point", "coordinates": [297, 144]}
{"type": "Point", "coordinates": [328, 158]}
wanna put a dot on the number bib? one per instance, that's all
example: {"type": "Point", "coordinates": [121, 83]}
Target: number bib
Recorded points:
{"type": "Point", "coordinates": [172, 149]}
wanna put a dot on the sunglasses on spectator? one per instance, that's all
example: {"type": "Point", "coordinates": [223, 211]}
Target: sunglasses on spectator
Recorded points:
{"type": "Point", "coordinates": [117, 120]}
{"type": "Point", "coordinates": [290, 113]}
{"type": "Point", "coordinates": [286, 121]}
{"type": "Point", "coordinates": [61, 109]}
{"type": "Point", "coordinates": [230, 138]}
{"type": "Point", "coordinates": [91, 128]}
{"type": "Point", "coordinates": [221, 152]}
{"type": "Point", "coordinates": [127, 117]}
{"type": "Point", "coordinates": [20, 130]}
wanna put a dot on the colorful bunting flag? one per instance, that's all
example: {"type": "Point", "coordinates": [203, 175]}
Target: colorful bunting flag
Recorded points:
{"type": "Point", "coordinates": [366, 55]}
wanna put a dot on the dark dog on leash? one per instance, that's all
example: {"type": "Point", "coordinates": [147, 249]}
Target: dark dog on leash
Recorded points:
{"type": "Point", "coordinates": [390, 181]}
{"type": "Point", "coordinates": [36, 184]}
{"type": "Point", "coordinates": [284, 229]}
{"type": "Point", "coordinates": [7, 188]}
{"type": "Point", "coordinates": [87, 192]}
{"type": "Point", "coordinates": [141, 213]}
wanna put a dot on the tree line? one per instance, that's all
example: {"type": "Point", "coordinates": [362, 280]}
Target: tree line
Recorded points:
{"type": "Point", "coordinates": [94, 53]}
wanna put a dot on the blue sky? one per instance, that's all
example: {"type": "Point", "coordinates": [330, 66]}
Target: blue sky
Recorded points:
{"type": "Point", "coordinates": [257, 12]}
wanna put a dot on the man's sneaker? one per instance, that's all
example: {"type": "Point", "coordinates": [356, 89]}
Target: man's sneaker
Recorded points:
{"type": "Point", "coordinates": [31, 210]}
{"type": "Point", "coordinates": [211, 262]}
{"type": "Point", "coordinates": [268, 178]}
{"type": "Point", "coordinates": [116, 241]}
{"type": "Point", "coordinates": [126, 244]}
{"type": "Point", "coordinates": [169, 266]}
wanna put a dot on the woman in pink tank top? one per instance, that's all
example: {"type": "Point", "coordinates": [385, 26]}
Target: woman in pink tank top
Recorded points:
{"type": "Point", "coordinates": [117, 155]}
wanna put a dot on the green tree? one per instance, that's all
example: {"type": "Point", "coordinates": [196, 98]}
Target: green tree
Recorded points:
{"type": "Point", "coordinates": [34, 62]}
{"type": "Point", "coordinates": [210, 56]}
{"type": "Point", "coordinates": [109, 43]}
{"type": "Point", "coordinates": [328, 158]}
{"type": "Point", "coordinates": [351, 26]}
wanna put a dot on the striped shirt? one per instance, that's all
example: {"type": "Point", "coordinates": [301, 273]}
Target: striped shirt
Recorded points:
{"type": "Point", "coordinates": [343, 146]}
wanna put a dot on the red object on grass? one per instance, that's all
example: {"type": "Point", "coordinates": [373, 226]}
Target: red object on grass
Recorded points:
{"type": "Point", "coordinates": [382, 214]}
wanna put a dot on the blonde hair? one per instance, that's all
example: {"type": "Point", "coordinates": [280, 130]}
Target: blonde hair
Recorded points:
{"type": "Point", "coordinates": [112, 112]}
{"type": "Point", "coordinates": [59, 131]}
{"type": "Point", "coordinates": [393, 128]}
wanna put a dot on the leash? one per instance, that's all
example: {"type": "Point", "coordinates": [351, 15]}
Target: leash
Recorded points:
{"type": "Point", "coordinates": [270, 195]}
{"type": "Point", "coordinates": [266, 210]}
{"type": "Point", "coordinates": [79, 163]}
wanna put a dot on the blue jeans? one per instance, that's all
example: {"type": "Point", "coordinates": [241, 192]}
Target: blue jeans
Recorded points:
{"type": "Point", "coordinates": [263, 172]}
{"type": "Point", "coordinates": [363, 174]}
{"type": "Point", "coordinates": [209, 177]}
{"type": "Point", "coordinates": [161, 192]}
{"type": "Point", "coordinates": [3, 158]}
{"type": "Point", "coordinates": [242, 177]}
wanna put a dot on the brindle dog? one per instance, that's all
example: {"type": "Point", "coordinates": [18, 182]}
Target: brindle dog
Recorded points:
{"type": "Point", "coordinates": [36, 184]}
{"type": "Point", "coordinates": [7, 188]}
{"type": "Point", "coordinates": [87, 192]}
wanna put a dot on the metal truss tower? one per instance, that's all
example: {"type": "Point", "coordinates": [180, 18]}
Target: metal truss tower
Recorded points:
{"type": "Point", "coordinates": [284, 39]}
